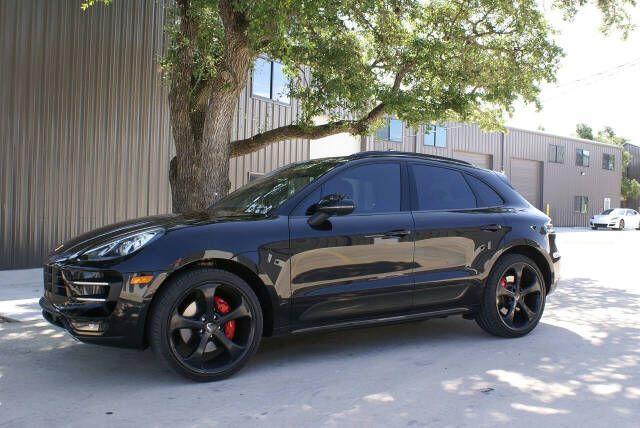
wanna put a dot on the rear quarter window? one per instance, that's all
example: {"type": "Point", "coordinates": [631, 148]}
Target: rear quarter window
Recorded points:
{"type": "Point", "coordinates": [487, 197]}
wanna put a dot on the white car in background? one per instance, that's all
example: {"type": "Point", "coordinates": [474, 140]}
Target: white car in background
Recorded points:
{"type": "Point", "coordinates": [617, 218]}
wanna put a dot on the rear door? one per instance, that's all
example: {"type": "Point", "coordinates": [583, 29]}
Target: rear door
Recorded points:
{"type": "Point", "coordinates": [358, 265]}
{"type": "Point", "coordinates": [458, 225]}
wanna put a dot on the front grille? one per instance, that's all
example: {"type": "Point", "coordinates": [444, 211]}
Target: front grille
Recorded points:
{"type": "Point", "coordinates": [53, 281]}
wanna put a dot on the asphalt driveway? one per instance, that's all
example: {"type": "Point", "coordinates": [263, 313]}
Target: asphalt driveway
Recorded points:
{"type": "Point", "coordinates": [580, 367]}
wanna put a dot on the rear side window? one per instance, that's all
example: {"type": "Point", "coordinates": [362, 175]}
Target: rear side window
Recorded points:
{"type": "Point", "coordinates": [441, 189]}
{"type": "Point", "coordinates": [487, 197]}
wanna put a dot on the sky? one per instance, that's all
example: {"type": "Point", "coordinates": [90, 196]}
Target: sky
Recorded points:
{"type": "Point", "coordinates": [598, 82]}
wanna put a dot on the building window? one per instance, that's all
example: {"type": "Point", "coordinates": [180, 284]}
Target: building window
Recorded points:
{"type": "Point", "coordinates": [582, 157]}
{"type": "Point", "coordinates": [608, 161]}
{"type": "Point", "coordinates": [269, 81]}
{"type": "Point", "coordinates": [580, 204]}
{"type": "Point", "coordinates": [556, 154]}
{"type": "Point", "coordinates": [392, 131]}
{"type": "Point", "coordinates": [434, 135]}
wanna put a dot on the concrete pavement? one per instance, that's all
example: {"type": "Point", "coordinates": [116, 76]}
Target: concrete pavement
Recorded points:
{"type": "Point", "coordinates": [580, 367]}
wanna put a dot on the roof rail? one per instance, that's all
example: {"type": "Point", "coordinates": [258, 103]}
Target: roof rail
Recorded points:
{"type": "Point", "coordinates": [409, 155]}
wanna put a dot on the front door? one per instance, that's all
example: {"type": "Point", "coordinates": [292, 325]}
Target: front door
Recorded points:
{"type": "Point", "coordinates": [457, 232]}
{"type": "Point", "coordinates": [358, 265]}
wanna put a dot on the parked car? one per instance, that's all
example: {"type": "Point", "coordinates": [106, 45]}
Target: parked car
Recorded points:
{"type": "Point", "coordinates": [376, 237]}
{"type": "Point", "coordinates": [616, 218]}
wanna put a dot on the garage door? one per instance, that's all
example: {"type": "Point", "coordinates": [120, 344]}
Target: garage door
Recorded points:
{"type": "Point", "coordinates": [526, 177]}
{"type": "Point", "coordinates": [478, 159]}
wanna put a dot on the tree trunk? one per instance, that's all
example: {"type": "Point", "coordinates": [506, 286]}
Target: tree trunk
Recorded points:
{"type": "Point", "coordinates": [199, 174]}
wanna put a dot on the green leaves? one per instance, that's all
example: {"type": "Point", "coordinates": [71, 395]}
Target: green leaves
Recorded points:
{"type": "Point", "coordinates": [423, 61]}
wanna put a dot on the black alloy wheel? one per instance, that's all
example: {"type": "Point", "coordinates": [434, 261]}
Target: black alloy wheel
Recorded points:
{"type": "Point", "coordinates": [514, 297]}
{"type": "Point", "coordinates": [207, 324]}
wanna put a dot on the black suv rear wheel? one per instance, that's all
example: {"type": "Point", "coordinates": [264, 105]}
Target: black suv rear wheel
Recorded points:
{"type": "Point", "coordinates": [514, 297]}
{"type": "Point", "coordinates": [206, 324]}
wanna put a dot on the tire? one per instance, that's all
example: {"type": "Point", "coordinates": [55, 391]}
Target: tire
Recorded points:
{"type": "Point", "coordinates": [490, 319]}
{"type": "Point", "coordinates": [621, 225]}
{"type": "Point", "coordinates": [200, 286]}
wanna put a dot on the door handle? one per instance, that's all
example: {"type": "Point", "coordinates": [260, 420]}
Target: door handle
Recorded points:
{"type": "Point", "coordinates": [396, 233]}
{"type": "Point", "coordinates": [491, 227]}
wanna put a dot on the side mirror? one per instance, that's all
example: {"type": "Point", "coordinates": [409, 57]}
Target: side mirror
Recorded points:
{"type": "Point", "coordinates": [329, 206]}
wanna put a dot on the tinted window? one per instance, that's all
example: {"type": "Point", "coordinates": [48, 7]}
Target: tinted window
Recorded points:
{"type": "Point", "coordinates": [441, 189]}
{"type": "Point", "coordinates": [580, 204]}
{"type": "Point", "coordinates": [556, 154]}
{"type": "Point", "coordinates": [303, 207]}
{"type": "Point", "coordinates": [374, 188]}
{"type": "Point", "coordinates": [582, 157]}
{"type": "Point", "coordinates": [487, 197]}
{"type": "Point", "coordinates": [608, 162]}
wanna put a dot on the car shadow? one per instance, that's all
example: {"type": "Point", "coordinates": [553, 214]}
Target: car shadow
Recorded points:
{"type": "Point", "coordinates": [33, 350]}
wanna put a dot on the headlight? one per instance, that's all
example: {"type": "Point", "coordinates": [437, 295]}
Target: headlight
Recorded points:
{"type": "Point", "coordinates": [613, 218]}
{"type": "Point", "coordinates": [121, 246]}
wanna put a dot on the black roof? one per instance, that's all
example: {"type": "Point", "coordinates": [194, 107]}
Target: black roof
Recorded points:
{"type": "Point", "coordinates": [424, 156]}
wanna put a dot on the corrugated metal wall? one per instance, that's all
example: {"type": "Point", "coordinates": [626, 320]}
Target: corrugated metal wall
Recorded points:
{"type": "Point", "coordinates": [85, 138]}
{"type": "Point", "coordinates": [563, 181]}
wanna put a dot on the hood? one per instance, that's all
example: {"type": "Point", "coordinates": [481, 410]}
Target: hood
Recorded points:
{"type": "Point", "coordinates": [606, 217]}
{"type": "Point", "coordinates": [104, 234]}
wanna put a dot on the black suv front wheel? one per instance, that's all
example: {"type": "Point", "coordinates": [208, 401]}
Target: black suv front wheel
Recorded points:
{"type": "Point", "coordinates": [206, 324]}
{"type": "Point", "coordinates": [514, 297]}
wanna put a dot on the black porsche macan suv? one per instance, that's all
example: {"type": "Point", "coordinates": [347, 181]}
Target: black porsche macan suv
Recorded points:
{"type": "Point", "coordinates": [375, 237]}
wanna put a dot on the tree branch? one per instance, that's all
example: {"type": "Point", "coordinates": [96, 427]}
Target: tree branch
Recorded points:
{"type": "Point", "coordinates": [289, 132]}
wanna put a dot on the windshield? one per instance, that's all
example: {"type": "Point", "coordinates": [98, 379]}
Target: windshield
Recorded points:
{"type": "Point", "coordinates": [617, 211]}
{"type": "Point", "coordinates": [269, 192]}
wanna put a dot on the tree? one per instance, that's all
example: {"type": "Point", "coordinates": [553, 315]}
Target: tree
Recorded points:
{"type": "Point", "coordinates": [629, 188]}
{"type": "Point", "coordinates": [421, 61]}
{"type": "Point", "coordinates": [584, 131]}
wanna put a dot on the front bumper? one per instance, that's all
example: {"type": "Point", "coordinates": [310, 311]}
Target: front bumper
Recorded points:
{"type": "Point", "coordinates": [112, 314]}
{"type": "Point", "coordinates": [598, 223]}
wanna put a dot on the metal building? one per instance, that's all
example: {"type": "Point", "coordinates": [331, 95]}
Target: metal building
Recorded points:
{"type": "Point", "coordinates": [85, 138]}
{"type": "Point", "coordinates": [569, 178]}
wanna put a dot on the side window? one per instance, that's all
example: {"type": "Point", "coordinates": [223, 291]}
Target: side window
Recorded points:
{"type": "Point", "coordinates": [441, 189]}
{"type": "Point", "coordinates": [374, 188]}
{"type": "Point", "coordinates": [487, 197]}
{"type": "Point", "coordinates": [303, 207]}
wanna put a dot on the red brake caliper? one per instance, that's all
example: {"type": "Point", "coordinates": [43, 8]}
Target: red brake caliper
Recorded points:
{"type": "Point", "coordinates": [223, 307]}
{"type": "Point", "coordinates": [503, 282]}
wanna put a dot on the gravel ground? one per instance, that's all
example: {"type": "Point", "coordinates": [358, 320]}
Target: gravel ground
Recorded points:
{"type": "Point", "coordinates": [580, 367]}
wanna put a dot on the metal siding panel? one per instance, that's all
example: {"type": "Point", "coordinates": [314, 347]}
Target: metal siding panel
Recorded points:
{"type": "Point", "coordinates": [86, 138]}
